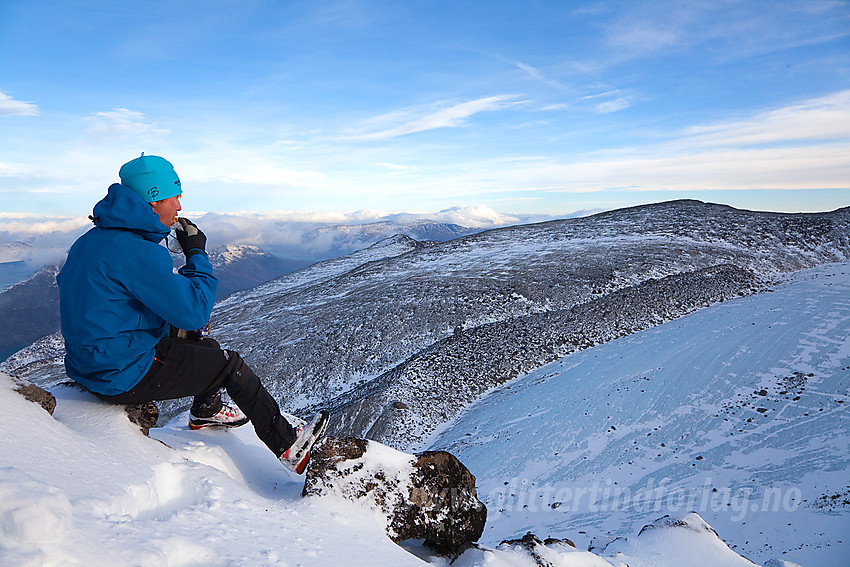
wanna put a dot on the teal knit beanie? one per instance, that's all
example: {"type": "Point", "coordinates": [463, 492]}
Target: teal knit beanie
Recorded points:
{"type": "Point", "coordinates": [152, 177]}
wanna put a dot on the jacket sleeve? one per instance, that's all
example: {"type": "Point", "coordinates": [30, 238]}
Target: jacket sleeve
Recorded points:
{"type": "Point", "coordinates": [184, 299]}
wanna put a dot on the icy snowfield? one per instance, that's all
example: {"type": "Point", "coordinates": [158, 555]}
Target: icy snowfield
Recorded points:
{"type": "Point", "coordinates": [88, 489]}
{"type": "Point", "coordinates": [738, 412]}
{"type": "Point", "coordinates": [748, 397]}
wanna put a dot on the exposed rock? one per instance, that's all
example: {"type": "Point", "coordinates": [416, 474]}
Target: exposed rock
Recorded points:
{"type": "Point", "coordinates": [430, 496]}
{"type": "Point", "coordinates": [691, 522]}
{"type": "Point", "coordinates": [535, 548]}
{"type": "Point", "coordinates": [144, 415]}
{"type": "Point", "coordinates": [446, 511]}
{"type": "Point", "coordinates": [436, 383]}
{"type": "Point", "coordinates": [35, 394]}
{"type": "Point", "coordinates": [780, 563]}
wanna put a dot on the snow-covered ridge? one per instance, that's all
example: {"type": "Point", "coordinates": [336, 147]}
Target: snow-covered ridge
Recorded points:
{"type": "Point", "coordinates": [14, 251]}
{"type": "Point", "coordinates": [85, 487]}
{"type": "Point", "coordinates": [738, 412]}
{"type": "Point", "coordinates": [232, 252]}
{"type": "Point", "coordinates": [333, 328]}
{"type": "Point", "coordinates": [406, 404]}
{"type": "Point", "coordinates": [328, 269]}
{"type": "Point", "coordinates": [317, 335]}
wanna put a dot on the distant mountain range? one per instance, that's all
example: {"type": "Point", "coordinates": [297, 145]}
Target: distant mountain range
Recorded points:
{"type": "Point", "coordinates": [345, 239]}
{"type": "Point", "coordinates": [30, 310]}
{"type": "Point", "coordinates": [319, 243]}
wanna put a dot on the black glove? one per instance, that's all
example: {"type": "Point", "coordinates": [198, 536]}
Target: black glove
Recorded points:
{"type": "Point", "coordinates": [190, 237]}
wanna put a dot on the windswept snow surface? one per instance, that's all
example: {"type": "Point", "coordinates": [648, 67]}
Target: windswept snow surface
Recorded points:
{"type": "Point", "coordinates": [86, 488]}
{"type": "Point", "coordinates": [738, 412]}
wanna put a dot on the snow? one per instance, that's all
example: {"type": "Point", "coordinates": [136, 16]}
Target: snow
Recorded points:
{"type": "Point", "coordinates": [614, 447]}
{"type": "Point", "coordinates": [738, 411]}
{"type": "Point", "coordinates": [90, 489]}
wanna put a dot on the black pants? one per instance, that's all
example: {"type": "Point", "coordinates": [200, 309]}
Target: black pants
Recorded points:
{"type": "Point", "coordinates": [200, 368]}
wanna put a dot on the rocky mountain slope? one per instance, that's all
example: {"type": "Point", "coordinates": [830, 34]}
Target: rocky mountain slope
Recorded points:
{"type": "Point", "coordinates": [243, 267]}
{"type": "Point", "coordinates": [381, 343]}
{"type": "Point", "coordinates": [29, 310]}
{"type": "Point", "coordinates": [399, 338]}
{"type": "Point", "coordinates": [738, 412]}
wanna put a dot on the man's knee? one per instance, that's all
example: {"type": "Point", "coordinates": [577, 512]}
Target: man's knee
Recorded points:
{"type": "Point", "coordinates": [237, 370]}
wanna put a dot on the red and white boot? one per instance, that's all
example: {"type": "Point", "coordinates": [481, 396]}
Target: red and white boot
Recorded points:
{"type": "Point", "coordinates": [298, 455]}
{"type": "Point", "coordinates": [227, 416]}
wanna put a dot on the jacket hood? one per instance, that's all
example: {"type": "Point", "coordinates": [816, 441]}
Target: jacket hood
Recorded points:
{"type": "Point", "coordinates": [123, 208]}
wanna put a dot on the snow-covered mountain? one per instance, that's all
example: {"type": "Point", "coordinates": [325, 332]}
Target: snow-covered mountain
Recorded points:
{"type": "Point", "coordinates": [29, 310]}
{"type": "Point", "coordinates": [737, 412]}
{"type": "Point", "coordinates": [14, 251]}
{"type": "Point", "coordinates": [317, 241]}
{"type": "Point", "coordinates": [399, 338]}
{"type": "Point", "coordinates": [239, 267]}
{"type": "Point", "coordinates": [400, 345]}
{"type": "Point", "coordinates": [345, 239]}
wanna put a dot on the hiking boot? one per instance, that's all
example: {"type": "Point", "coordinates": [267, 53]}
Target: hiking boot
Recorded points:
{"type": "Point", "coordinates": [298, 455]}
{"type": "Point", "coordinates": [227, 416]}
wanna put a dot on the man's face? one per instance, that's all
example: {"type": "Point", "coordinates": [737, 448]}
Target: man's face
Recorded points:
{"type": "Point", "coordinates": [167, 209]}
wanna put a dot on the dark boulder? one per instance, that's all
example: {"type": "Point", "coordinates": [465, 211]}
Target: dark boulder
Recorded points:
{"type": "Point", "coordinates": [430, 496]}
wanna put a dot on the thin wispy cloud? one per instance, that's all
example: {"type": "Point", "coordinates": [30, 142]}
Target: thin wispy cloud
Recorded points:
{"type": "Point", "coordinates": [262, 112]}
{"type": "Point", "coordinates": [823, 118]}
{"type": "Point", "coordinates": [396, 168]}
{"type": "Point", "coordinates": [122, 122]}
{"type": "Point", "coordinates": [538, 75]}
{"type": "Point", "coordinates": [254, 166]}
{"type": "Point", "coordinates": [725, 30]}
{"type": "Point", "coordinates": [11, 107]}
{"type": "Point", "coordinates": [616, 101]}
{"type": "Point", "coordinates": [615, 105]}
{"type": "Point", "coordinates": [271, 174]}
{"type": "Point", "coordinates": [769, 150]}
{"type": "Point", "coordinates": [411, 121]}
{"type": "Point", "coordinates": [731, 169]}
{"type": "Point", "coordinates": [11, 170]}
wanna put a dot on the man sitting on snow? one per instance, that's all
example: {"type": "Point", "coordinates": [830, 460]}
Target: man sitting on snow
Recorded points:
{"type": "Point", "coordinates": [119, 299]}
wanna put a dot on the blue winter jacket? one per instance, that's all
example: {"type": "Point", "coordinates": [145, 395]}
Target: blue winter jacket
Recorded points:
{"type": "Point", "coordinates": [118, 293]}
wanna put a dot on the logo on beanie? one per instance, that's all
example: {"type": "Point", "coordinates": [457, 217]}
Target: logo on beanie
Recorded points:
{"type": "Point", "coordinates": [153, 192]}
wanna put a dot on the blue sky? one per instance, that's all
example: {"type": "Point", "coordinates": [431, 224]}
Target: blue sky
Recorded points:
{"type": "Point", "coordinates": [532, 107]}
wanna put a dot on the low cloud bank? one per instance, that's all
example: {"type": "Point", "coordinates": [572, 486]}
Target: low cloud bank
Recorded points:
{"type": "Point", "coordinates": [38, 240]}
